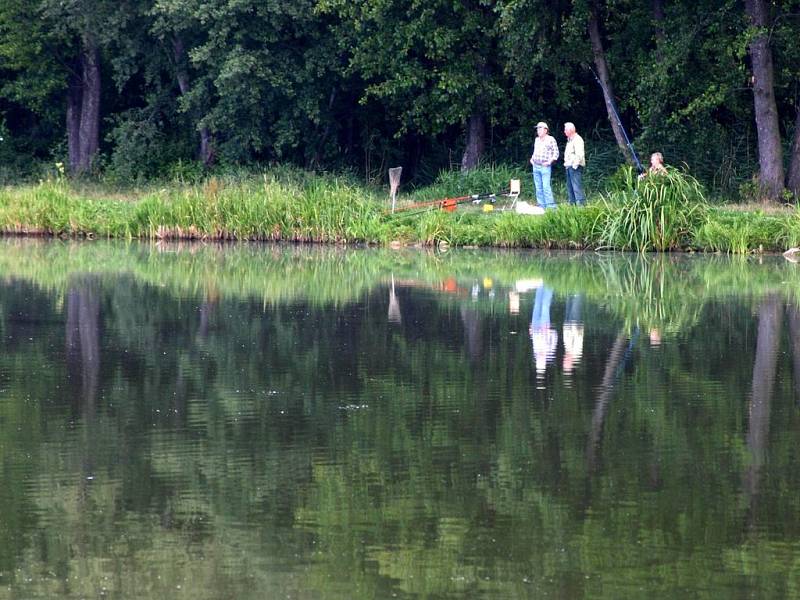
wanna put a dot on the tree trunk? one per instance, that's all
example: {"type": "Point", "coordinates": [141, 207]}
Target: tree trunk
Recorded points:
{"type": "Point", "coordinates": [770, 154]}
{"type": "Point", "coordinates": [205, 152]}
{"type": "Point", "coordinates": [89, 138]}
{"type": "Point", "coordinates": [74, 119]}
{"type": "Point", "coordinates": [476, 142]}
{"type": "Point", "coordinates": [316, 158]}
{"type": "Point", "coordinates": [658, 14]}
{"type": "Point", "coordinates": [657, 7]}
{"type": "Point", "coordinates": [601, 65]}
{"type": "Point", "coordinates": [793, 179]}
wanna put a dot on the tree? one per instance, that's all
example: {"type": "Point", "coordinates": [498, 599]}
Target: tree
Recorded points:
{"type": "Point", "coordinates": [787, 59]}
{"type": "Point", "coordinates": [546, 46]}
{"type": "Point", "coordinates": [55, 51]}
{"type": "Point", "coordinates": [31, 77]}
{"type": "Point", "coordinates": [83, 106]}
{"type": "Point", "coordinates": [770, 153]}
{"type": "Point", "coordinates": [793, 176]}
{"type": "Point", "coordinates": [433, 65]}
{"type": "Point", "coordinates": [205, 152]}
{"type": "Point", "coordinates": [258, 78]}
{"type": "Point", "coordinates": [603, 75]}
{"type": "Point", "coordinates": [173, 24]}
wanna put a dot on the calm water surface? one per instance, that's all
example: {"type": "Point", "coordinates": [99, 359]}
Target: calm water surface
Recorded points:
{"type": "Point", "coordinates": [279, 422]}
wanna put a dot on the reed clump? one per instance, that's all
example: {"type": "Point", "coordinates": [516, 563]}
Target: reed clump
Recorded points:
{"type": "Point", "coordinates": [656, 212]}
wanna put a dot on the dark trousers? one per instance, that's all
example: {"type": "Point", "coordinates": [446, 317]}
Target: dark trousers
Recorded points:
{"type": "Point", "coordinates": [575, 193]}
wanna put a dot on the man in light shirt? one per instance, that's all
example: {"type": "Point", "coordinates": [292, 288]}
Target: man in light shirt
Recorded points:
{"type": "Point", "coordinates": [574, 162]}
{"type": "Point", "coordinates": [545, 153]}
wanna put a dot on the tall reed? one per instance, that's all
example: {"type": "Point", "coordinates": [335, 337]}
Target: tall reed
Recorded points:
{"type": "Point", "coordinates": [657, 212]}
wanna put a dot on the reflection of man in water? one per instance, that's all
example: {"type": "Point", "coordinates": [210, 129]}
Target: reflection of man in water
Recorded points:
{"type": "Point", "coordinates": [544, 337]}
{"type": "Point", "coordinates": [395, 316]}
{"type": "Point", "coordinates": [573, 333]}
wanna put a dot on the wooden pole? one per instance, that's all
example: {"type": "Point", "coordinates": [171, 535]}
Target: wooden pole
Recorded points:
{"type": "Point", "coordinates": [394, 183]}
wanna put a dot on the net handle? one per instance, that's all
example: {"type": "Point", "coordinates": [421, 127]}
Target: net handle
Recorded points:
{"type": "Point", "coordinates": [394, 183]}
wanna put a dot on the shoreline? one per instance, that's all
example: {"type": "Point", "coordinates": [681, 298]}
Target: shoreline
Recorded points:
{"type": "Point", "coordinates": [328, 210]}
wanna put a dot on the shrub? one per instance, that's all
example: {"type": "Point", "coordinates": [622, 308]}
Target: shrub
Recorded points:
{"type": "Point", "coordinates": [658, 212]}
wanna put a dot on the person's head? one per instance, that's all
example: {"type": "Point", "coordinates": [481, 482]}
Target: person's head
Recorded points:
{"type": "Point", "coordinates": [656, 159]}
{"type": "Point", "coordinates": [655, 337]}
{"type": "Point", "coordinates": [569, 129]}
{"type": "Point", "coordinates": [541, 129]}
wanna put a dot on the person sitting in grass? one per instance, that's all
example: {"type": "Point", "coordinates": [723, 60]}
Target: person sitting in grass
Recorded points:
{"type": "Point", "coordinates": [656, 165]}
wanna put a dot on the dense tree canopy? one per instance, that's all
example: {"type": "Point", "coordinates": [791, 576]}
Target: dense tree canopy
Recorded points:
{"type": "Point", "coordinates": [142, 89]}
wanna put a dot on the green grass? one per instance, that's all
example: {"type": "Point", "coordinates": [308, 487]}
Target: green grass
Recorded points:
{"type": "Point", "coordinates": [656, 214]}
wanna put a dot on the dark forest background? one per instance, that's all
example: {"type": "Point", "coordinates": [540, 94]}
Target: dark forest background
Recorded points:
{"type": "Point", "coordinates": [135, 90]}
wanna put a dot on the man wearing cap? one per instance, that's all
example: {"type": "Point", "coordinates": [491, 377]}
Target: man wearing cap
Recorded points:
{"type": "Point", "coordinates": [545, 153]}
{"type": "Point", "coordinates": [574, 162]}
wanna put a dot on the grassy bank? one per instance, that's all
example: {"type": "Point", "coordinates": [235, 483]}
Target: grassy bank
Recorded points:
{"type": "Point", "coordinates": [662, 214]}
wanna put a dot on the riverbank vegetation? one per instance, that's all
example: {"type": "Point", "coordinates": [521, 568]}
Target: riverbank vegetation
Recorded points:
{"type": "Point", "coordinates": [661, 213]}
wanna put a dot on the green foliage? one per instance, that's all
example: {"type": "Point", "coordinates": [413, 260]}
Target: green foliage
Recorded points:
{"type": "Point", "coordinates": [567, 228]}
{"type": "Point", "coordinates": [139, 147]}
{"type": "Point", "coordinates": [485, 180]}
{"type": "Point", "coordinates": [622, 180]}
{"type": "Point", "coordinates": [658, 212]}
{"type": "Point", "coordinates": [266, 91]}
{"type": "Point", "coordinates": [13, 166]}
{"type": "Point", "coordinates": [742, 232]}
{"type": "Point", "coordinates": [434, 65]}
{"type": "Point", "coordinates": [332, 84]}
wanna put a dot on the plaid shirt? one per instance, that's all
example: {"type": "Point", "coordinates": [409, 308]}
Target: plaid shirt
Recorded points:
{"type": "Point", "coordinates": [545, 150]}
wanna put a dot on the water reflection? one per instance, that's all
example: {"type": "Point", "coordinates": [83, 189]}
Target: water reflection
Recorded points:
{"type": "Point", "coordinates": [543, 336]}
{"type": "Point", "coordinates": [83, 339]}
{"type": "Point", "coordinates": [770, 319]}
{"type": "Point", "coordinates": [572, 332]}
{"type": "Point", "coordinates": [253, 422]}
{"type": "Point", "coordinates": [394, 314]}
{"type": "Point", "coordinates": [620, 353]}
{"type": "Point", "coordinates": [793, 317]}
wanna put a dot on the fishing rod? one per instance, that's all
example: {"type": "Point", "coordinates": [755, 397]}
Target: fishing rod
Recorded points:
{"type": "Point", "coordinates": [613, 106]}
{"type": "Point", "coordinates": [447, 204]}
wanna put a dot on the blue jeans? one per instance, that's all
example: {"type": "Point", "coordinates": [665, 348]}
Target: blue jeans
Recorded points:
{"type": "Point", "coordinates": [575, 193]}
{"type": "Point", "coordinates": [541, 181]}
{"type": "Point", "coordinates": [541, 307]}
{"type": "Point", "coordinates": [572, 313]}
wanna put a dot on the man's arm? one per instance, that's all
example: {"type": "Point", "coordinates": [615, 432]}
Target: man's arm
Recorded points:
{"type": "Point", "coordinates": [553, 151]}
{"type": "Point", "coordinates": [580, 155]}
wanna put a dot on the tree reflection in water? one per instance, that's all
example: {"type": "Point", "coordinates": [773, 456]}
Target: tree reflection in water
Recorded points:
{"type": "Point", "coordinates": [241, 432]}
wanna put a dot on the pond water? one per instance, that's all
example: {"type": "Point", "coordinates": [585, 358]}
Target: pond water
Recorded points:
{"type": "Point", "coordinates": [190, 421]}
